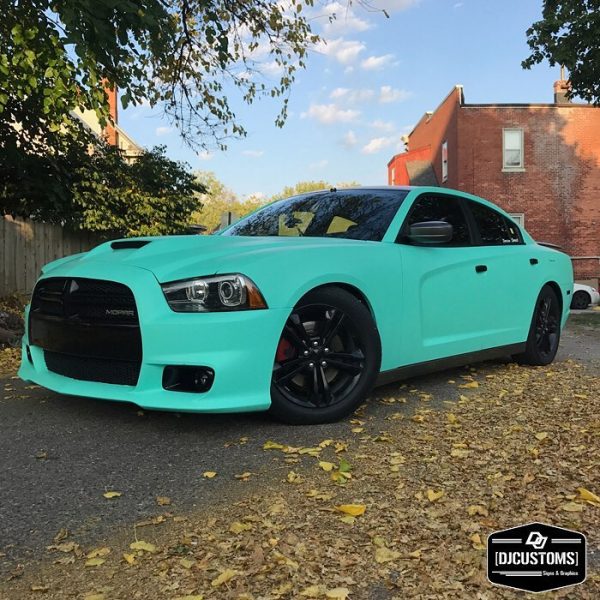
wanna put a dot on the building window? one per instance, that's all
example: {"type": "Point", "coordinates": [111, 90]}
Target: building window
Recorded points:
{"type": "Point", "coordinates": [445, 162]}
{"type": "Point", "coordinates": [518, 218]}
{"type": "Point", "coordinates": [512, 150]}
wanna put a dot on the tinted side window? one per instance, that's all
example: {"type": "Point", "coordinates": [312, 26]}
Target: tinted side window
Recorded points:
{"type": "Point", "coordinates": [441, 208]}
{"type": "Point", "coordinates": [494, 228]}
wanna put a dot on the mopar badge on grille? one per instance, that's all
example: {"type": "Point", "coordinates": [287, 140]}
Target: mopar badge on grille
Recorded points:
{"type": "Point", "coordinates": [117, 312]}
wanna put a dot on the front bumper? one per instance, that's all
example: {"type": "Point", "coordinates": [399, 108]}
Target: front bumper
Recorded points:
{"type": "Point", "coordinates": [239, 346]}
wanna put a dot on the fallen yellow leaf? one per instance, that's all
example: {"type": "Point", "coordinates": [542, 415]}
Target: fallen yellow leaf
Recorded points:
{"type": "Point", "coordinates": [452, 418]}
{"type": "Point", "coordinates": [104, 551]}
{"type": "Point", "coordinates": [326, 466]}
{"type": "Point", "coordinates": [186, 563]}
{"type": "Point", "coordinates": [353, 510]}
{"type": "Point", "coordinates": [269, 445]}
{"type": "Point", "coordinates": [40, 588]}
{"type": "Point", "coordinates": [477, 509]}
{"type": "Point", "coordinates": [293, 477]}
{"type": "Point", "coordinates": [542, 435]}
{"type": "Point", "coordinates": [129, 558]}
{"type": "Point", "coordinates": [476, 541]}
{"type": "Point", "coordinates": [209, 474]}
{"type": "Point", "coordinates": [143, 546]}
{"type": "Point", "coordinates": [314, 591]}
{"type": "Point", "coordinates": [237, 527]}
{"type": "Point", "coordinates": [224, 577]}
{"type": "Point", "coordinates": [338, 593]}
{"type": "Point", "coordinates": [94, 596]}
{"type": "Point", "coordinates": [383, 555]}
{"type": "Point", "coordinates": [190, 597]}
{"type": "Point", "coordinates": [110, 495]}
{"type": "Point", "coordinates": [572, 507]}
{"type": "Point", "coordinates": [94, 562]}
{"type": "Point", "coordinates": [434, 496]}
{"type": "Point", "coordinates": [588, 496]}
{"type": "Point", "coordinates": [470, 385]}
{"type": "Point", "coordinates": [163, 500]}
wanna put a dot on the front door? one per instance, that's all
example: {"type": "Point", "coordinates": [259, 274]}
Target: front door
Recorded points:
{"type": "Point", "coordinates": [442, 310]}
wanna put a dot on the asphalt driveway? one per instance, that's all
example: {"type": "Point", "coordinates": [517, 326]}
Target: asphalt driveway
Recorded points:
{"type": "Point", "coordinates": [60, 454]}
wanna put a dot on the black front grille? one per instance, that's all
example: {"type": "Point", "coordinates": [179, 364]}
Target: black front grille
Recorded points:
{"type": "Point", "coordinates": [85, 368]}
{"type": "Point", "coordinates": [88, 328]}
{"type": "Point", "coordinates": [90, 300]}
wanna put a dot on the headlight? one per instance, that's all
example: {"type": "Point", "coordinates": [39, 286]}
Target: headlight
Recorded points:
{"type": "Point", "coordinates": [218, 293]}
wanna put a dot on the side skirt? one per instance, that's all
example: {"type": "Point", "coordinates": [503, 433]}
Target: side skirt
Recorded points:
{"type": "Point", "coordinates": [450, 362]}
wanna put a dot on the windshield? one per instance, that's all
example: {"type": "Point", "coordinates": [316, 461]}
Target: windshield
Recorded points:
{"type": "Point", "coordinates": [350, 214]}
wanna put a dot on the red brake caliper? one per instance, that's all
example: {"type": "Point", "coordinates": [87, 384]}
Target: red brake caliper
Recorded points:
{"type": "Point", "coordinates": [285, 350]}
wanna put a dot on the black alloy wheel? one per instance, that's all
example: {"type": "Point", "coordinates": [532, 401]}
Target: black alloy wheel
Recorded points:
{"type": "Point", "coordinates": [327, 358]}
{"type": "Point", "coordinates": [544, 333]}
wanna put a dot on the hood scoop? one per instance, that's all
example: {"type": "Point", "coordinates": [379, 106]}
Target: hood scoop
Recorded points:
{"type": "Point", "coordinates": [129, 244]}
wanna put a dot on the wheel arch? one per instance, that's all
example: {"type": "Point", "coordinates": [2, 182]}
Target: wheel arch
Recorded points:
{"type": "Point", "coordinates": [351, 289]}
{"type": "Point", "coordinates": [559, 294]}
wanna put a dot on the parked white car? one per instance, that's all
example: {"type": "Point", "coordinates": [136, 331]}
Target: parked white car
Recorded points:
{"type": "Point", "coordinates": [583, 296]}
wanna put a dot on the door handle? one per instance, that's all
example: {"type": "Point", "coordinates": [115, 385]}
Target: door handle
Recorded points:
{"type": "Point", "coordinates": [481, 268]}
{"type": "Point", "coordinates": [533, 261]}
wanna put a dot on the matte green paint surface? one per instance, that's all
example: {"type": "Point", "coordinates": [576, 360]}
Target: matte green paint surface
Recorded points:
{"type": "Point", "coordinates": [428, 303]}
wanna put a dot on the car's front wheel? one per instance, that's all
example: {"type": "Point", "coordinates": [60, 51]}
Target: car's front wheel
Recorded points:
{"type": "Point", "coordinates": [327, 359]}
{"type": "Point", "coordinates": [581, 300]}
{"type": "Point", "coordinates": [544, 332]}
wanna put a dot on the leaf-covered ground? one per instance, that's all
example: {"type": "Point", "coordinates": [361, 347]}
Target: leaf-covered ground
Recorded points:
{"type": "Point", "coordinates": [397, 513]}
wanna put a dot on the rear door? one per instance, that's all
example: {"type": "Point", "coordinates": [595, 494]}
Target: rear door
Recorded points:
{"type": "Point", "coordinates": [444, 300]}
{"type": "Point", "coordinates": [507, 299]}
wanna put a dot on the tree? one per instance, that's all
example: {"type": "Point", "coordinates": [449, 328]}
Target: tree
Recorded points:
{"type": "Point", "coordinates": [98, 190]}
{"type": "Point", "coordinates": [187, 56]}
{"type": "Point", "coordinates": [303, 187]}
{"type": "Point", "coordinates": [568, 34]}
{"type": "Point", "coordinates": [218, 199]}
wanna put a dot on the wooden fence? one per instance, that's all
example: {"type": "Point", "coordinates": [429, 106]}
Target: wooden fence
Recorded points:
{"type": "Point", "coordinates": [26, 246]}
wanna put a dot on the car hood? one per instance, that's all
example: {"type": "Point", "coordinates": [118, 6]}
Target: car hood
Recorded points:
{"type": "Point", "coordinates": [177, 257]}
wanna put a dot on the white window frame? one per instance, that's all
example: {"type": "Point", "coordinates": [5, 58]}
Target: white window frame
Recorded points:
{"type": "Point", "coordinates": [518, 218]}
{"type": "Point", "coordinates": [393, 175]}
{"type": "Point", "coordinates": [513, 168]}
{"type": "Point", "coordinates": [444, 161]}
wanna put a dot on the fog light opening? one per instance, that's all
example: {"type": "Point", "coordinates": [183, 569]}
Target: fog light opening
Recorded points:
{"type": "Point", "coordinates": [185, 378]}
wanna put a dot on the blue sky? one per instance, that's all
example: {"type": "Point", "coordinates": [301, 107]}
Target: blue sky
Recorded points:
{"type": "Point", "coordinates": [366, 88]}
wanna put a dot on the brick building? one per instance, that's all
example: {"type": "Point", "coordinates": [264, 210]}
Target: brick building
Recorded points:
{"type": "Point", "coordinates": [112, 133]}
{"type": "Point", "coordinates": [539, 162]}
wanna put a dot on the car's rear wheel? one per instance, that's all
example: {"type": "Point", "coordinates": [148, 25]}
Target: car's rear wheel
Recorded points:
{"type": "Point", "coordinates": [327, 359]}
{"type": "Point", "coordinates": [544, 333]}
{"type": "Point", "coordinates": [581, 300]}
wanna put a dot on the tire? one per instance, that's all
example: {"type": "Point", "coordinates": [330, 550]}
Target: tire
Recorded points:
{"type": "Point", "coordinates": [544, 332]}
{"type": "Point", "coordinates": [327, 359]}
{"type": "Point", "coordinates": [581, 300]}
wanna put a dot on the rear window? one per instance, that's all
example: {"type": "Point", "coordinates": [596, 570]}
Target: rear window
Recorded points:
{"type": "Point", "coordinates": [349, 214]}
{"type": "Point", "coordinates": [494, 229]}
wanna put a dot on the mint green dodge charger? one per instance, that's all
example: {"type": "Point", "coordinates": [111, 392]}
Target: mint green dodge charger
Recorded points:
{"type": "Point", "coordinates": [301, 307]}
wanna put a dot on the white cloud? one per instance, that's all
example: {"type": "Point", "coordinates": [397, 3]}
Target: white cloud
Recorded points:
{"type": "Point", "coordinates": [349, 140]}
{"type": "Point", "coordinates": [458, 5]}
{"type": "Point", "coordinates": [163, 130]}
{"type": "Point", "coordinates": [253, 153]}
{"type": "Point", "coordinates": [386, 126]}
{"type": "Point", "coordinates": [330, 113]}
{"type": "Point", "coordinates": [389, 94]}
{"type": "Point", "coordinates": [344, 51]}
{"type": "Point", "coordinates": [205, 155]}
{"type": "Point", "coordinates": [375, 63]}
{"type": "Point", "coordinates": [352, 96]}
{"type": "Point", "coordinates": [345, 21]}
{"type": "Point", "coordinates": [378, 144]}
{"type": "Point", "coordinates": [256, 196]}
{"type": "Point", "coordinates": [395, 5]}
{"type": "Point", "coordinates": [271, 68]}
{"type": "Point", "coordinates": [320, 164]}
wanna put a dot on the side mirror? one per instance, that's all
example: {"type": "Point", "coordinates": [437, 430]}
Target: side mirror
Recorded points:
{"type": "Point", "coordinates": [430, 232]}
